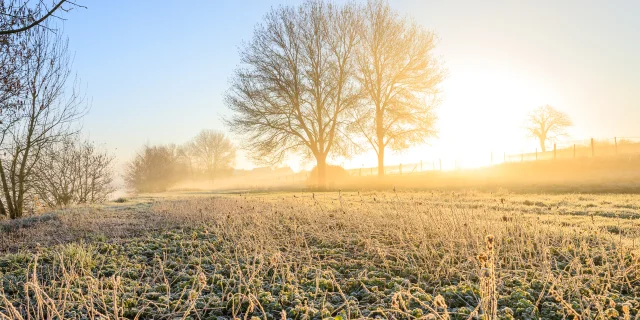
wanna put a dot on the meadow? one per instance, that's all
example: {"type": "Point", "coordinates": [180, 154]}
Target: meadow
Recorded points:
{"type": "Point", "coordinates": [393, 254]}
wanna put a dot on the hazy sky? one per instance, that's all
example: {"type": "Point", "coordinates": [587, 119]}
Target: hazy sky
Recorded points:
{"type": "Point", "coordinates": [156, 71]}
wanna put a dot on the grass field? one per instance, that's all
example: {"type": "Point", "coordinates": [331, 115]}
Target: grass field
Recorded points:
{"type": "Point", "coordinates": [404, 255]}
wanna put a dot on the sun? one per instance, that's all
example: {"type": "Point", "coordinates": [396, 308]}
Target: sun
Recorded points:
{"type": "Point", "coordinates": [480, 120]}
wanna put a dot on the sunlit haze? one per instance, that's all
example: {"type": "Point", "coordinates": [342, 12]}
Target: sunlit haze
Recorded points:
{"type": "Point", "coordinates": [161, 79]}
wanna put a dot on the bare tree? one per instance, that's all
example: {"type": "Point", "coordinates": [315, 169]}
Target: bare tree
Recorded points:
{"type": "Point", "coordinates": [213, 152]}
{"type": "Point", "coordinates": [400, 77]}
{"type": "Point", "coordinates": [45, 114]}
{"type": "Point", "coordinates": [295, 84]}
{"type": "Point", "coordinates": [73, 172]}
{"type": "Point", "coordinates": [546, 123]}
{"type": "Point", "coordinates": [154, 169]}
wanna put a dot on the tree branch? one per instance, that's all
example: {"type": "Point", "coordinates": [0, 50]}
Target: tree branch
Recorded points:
{"type": "Point", "coordinates": [35, 23]}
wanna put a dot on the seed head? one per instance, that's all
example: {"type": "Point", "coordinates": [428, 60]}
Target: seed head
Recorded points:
{"type": "Point", "coordinates": [612, 313]}
{"type": "Point", "coordinates": [489, 239]}
{"type": "Point", "coordinates": [438, 301]}
{"type": "Point", "coordinates": [625, 308]}
{"type": "Point", "coordinates": [202, 279]}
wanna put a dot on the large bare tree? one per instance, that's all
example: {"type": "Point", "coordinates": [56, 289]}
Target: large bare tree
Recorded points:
{"type": "Point", "coordinates": [213, 152]}
{"type": "Point", "coordinates": [400, 77]}
{"type": "Point", "coordinates": [295, 84]}
{"type": "Point", "coordinates": [47, 108]}
{"type": "Point", "coordinates": [546, 123]}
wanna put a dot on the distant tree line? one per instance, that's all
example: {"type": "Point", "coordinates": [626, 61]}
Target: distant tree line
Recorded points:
{"type": "Point", "coordinates": [208, 156]}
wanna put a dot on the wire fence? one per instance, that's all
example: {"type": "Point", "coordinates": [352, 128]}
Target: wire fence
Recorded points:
{"type": "Point", "coordinates": [565, 150]}
{"type": "Point", "coordinates": [576, 149]}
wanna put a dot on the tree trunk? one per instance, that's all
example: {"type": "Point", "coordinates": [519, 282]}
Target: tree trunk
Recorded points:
{"type": "Point", "coordinates": [543, 145]}
{"type": "Point", "coordinates": [321, 166]}
{"type": "Point", "coordinates": [7, 193]}
{"type": "Point", "coordinates": [3, 211]}
{"type": "Point", "coordinates": [381, 144]}
{"type": "Point", "coordinates": [380, 160]}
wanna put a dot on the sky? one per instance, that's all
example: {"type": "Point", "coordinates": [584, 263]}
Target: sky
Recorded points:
{"type": "Point", "coordinates": [156, 71]}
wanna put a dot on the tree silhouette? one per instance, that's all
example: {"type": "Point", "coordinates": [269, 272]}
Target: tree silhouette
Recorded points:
{"type": "Point", "coordinates": [399, 77]}
{"type": "Point", "coordinates": [213, 152]}
{"type": "Point", "coordinates": [295, 84]}
{"type": "Point", "coordinates": [546, 123]}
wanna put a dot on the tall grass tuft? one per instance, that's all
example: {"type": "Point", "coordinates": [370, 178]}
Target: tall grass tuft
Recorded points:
{"type": "Point", "coordinates": [489, 296]}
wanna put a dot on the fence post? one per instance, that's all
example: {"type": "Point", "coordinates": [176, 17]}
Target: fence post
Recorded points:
{"type": "Point", "coordinates": [593, 151]}
{"type": "Point", "coordinates": [400, 169]}
{"type": "Point", "coordinates": [574, 150]}
{"type": "Point", "coordinates": [536, 154]}
{"type": "Point", "coordinates": [554, 151]}
{"type": "Point", "coordinates": [615, 139]}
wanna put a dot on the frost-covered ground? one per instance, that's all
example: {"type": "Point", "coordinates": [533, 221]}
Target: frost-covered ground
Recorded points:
{"type": "Point", "coordinates": [432, 255]}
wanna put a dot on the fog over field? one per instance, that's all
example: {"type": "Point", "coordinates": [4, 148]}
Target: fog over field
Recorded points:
{"type": "Point", "coordinates": [319, 159]}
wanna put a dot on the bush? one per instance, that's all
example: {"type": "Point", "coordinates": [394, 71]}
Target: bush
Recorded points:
{"type": "Point", "coordinates": [120, 200]}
